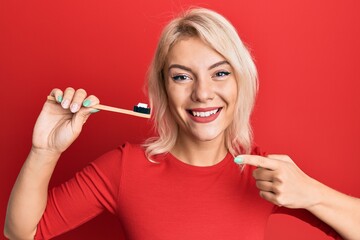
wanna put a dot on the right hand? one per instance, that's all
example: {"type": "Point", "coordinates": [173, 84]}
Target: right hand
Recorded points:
{"type": "Point", "coordinates": [60, 122]}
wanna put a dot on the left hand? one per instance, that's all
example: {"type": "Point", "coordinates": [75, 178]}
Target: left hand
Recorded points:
{"type": "Point", "coordinates": [281, 181]}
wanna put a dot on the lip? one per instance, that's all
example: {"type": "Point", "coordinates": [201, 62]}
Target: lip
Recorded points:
{"type": "Point", "coordinates": [208, 119]}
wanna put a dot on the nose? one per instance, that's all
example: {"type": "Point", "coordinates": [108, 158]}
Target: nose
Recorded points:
{"type": "Point", "coordinates": [203, 90]}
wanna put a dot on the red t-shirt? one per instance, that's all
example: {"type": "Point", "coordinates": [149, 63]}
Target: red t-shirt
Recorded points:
{"type": "Point", "coordinates": [168, 200]}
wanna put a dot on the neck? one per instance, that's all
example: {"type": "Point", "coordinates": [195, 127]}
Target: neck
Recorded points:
{"type": "Point", "coordinates": [199, 153]}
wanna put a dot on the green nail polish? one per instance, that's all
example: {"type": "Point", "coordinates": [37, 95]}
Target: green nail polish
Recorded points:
{"type": "Point", "coordinates": [238, 160]}
{"type": "Point", "coordinates": [94, 111]}
{"type": "Point", "coordinates": [86, 103]}
{"type": "Point", "coordinates": [59, 99]}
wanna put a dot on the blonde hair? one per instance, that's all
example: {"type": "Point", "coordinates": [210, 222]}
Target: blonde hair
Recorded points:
{"type": "Point", "coordinates": [219, 34]}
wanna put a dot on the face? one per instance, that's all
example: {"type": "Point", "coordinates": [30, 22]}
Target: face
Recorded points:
{"type": "Point", "coordinates": [201, 88]}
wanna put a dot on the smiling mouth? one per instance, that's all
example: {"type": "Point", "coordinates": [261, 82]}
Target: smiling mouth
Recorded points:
{"type": "Point", "coordinates": [204, 114]}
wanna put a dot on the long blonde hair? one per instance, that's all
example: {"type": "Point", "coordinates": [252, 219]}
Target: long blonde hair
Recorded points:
{"type": "Point", "coordinates": [219, 34]}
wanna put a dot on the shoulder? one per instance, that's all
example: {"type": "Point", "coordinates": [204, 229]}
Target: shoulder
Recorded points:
{"type": "Point", "coordinates": [131, 148]}
{"type": "Point", "coordinates": [115, 158]}
{"type": "Point", "coordinates": [256, 150]}
{"type": "Point", "coordinates": [123, 150]}
{"type": "Point", "coordinates": [247, 169]}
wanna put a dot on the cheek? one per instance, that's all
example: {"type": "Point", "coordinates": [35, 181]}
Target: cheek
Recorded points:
{"type": "Point", "coordinates": [233, 95]}
{"type": "Point", "coordinates": [171, 93]}
{"type": "Point", "coordinates": [177, 95]}
{"type": "Point", "coordinates": [230, 94]}
{"type": "Point", "coordinates": [234, 92]}
{"type": "Point", "coordinates": [175, 100]}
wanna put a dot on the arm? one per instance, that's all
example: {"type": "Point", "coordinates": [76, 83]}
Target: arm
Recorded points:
{"type": "Point", "coordinates": [281, 182]}
{"type": "Point", "coordinates": [29, 192]}
{"type": "Point", "coordinates": [56, 128]}
{"type": "Point", "coordinates": [340, 211]}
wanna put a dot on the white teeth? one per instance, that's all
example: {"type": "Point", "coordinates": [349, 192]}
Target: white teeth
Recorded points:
{"type": "Point", "coordinates": [204, 114]}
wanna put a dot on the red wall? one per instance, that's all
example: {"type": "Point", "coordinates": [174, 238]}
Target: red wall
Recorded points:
{"type": "Point", "coordinates": [307, 53]}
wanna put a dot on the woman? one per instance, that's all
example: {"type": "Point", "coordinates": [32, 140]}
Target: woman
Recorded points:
{"type": "Point", "coordinates": [182, 184]}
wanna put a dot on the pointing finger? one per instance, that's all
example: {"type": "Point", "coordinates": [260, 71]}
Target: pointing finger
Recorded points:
{"type": "Point", "coordinates": [281, 157]}
{"type": "Point", "coordinates": [257, 161]}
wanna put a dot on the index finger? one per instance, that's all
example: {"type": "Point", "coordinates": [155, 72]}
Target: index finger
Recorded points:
{"type": "Point", "coordinates": [57, 94]}
{"type": "Point", "coordinates": [257, 161]}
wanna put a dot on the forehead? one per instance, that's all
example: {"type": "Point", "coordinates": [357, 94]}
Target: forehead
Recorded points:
{"type": "Point", "coordinates": [193, 52]}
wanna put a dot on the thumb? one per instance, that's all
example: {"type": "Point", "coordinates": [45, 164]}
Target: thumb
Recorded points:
{"type": "Point", "coordinates": [81, 117]}
{"type": "Point", "coordinates": [84, 112]}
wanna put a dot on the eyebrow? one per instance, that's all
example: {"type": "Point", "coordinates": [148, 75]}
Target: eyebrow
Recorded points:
{"type": "Point", "coordinates": [189, 69]}
{"type": "Point", "coordinates": [219, 64]}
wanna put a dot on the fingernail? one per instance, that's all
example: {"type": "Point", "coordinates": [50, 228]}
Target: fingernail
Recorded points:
{"type": "Point", "coordinates": [239, 160]}
{"type": "Point", "coordinates": [65, 104]}
{"type": "Point", "coordinates": [94, 111]}
{"type": "Point", "coordinates": [59, 99]}
{"type": "Point", "coordinates": [86, 103]}
{"type": "Point", "coordinates": [74, 107]}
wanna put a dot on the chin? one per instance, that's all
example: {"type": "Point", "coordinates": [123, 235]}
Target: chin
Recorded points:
{"type": "Point", "coordinates": [207, 136]}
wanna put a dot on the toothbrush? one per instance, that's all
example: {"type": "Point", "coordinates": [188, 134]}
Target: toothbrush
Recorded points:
{"type": "Point", "coordinates": [141, 110]}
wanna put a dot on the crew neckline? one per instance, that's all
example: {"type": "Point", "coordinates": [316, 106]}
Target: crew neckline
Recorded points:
{"type": "Point", "coordinates": [226, 160]}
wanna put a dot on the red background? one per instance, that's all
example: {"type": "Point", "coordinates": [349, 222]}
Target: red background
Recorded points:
{"type": "Point", "coordinates": [307, 53]}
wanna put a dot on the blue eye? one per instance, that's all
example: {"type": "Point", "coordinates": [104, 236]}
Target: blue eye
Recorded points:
{"type": "Point", "coordinates": [222, 74]}
{"type": "Point", "coordinates": [180, 77]}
